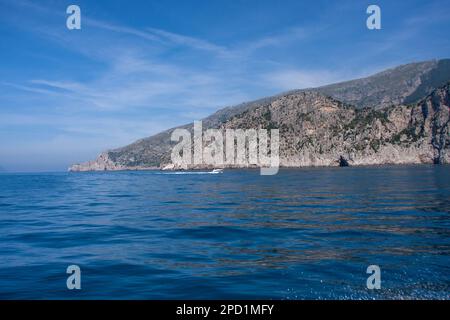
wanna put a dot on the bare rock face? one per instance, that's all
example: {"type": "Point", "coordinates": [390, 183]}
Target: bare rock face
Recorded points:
{"type": "Point", "coordinates": [399, 116]}
{"type": "Point", "coordinates": [436, 109]}
{"type": "Point", "coordinates": [320, 131]}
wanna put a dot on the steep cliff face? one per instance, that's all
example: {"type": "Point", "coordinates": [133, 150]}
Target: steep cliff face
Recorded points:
{"type": "Point", "coordinates": [319, 131]}
{"type": "Point", "coordinates": [435, 109]}
{"type": "Point", "coordinates": [366, 121]}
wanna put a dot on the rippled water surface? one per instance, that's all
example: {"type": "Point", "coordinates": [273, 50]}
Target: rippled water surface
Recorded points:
{"type": "Point", "coordinates": [306, 233]}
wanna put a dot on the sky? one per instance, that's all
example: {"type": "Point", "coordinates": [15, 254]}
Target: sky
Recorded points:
{"type": "Point", "coordinates": [138, 67]}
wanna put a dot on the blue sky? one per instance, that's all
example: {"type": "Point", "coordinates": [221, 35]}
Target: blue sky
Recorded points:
{"type": "Point", "coordinates": [138, 67]}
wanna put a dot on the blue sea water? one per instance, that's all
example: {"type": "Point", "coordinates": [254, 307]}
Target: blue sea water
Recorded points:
{"type": "Point", "coordinates": [301, 234]}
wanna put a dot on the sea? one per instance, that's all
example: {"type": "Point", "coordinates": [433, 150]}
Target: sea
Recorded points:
{"type": "Point", "coordinates": [307, 233]}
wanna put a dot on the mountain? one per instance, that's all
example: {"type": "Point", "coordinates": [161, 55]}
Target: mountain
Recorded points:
{"type": "Point", "coordinates": [396, 116]}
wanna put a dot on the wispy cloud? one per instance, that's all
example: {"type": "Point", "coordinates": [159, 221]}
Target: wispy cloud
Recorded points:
{"type": "Point", "coordinates": [136, 78]}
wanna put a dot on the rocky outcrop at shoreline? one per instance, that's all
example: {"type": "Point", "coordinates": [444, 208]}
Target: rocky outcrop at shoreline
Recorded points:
{"type": "Point", "coordinates": [102, 163]}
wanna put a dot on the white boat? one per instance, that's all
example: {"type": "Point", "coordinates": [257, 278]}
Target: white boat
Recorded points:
{"type": "Point", "coordinates": [217, 171]}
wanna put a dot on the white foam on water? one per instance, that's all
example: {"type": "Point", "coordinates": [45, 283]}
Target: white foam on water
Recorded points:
{"type": "Point", "coordinates": [188, 172]}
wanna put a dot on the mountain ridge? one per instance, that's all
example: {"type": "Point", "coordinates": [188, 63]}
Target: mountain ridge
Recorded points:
{"type": "Point", "coordinates": [405, 84]}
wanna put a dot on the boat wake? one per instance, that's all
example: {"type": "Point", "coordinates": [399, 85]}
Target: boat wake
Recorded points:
{"type": "Point", "coordinates": [215, 171]}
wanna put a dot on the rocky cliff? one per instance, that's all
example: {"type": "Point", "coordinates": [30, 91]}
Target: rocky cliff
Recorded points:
{"type": "Point", "coordinates": [316, 130]}
{"type": "Point", "coordinates": [400, 116]}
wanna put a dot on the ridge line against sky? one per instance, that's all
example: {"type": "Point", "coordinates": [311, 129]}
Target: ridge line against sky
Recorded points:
{"type": "Point", "coordinates": [134, 70]}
